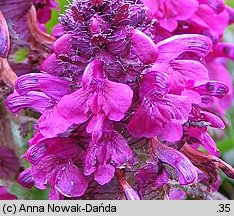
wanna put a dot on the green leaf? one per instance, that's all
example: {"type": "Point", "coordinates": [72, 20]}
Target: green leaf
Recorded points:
{"type": "Point", "coordinates": [28, 194]}
{"type": "Point", "coordinates": [230, 2]}
{"type": "Point", "coordinates": [55, 15]}
{"type": "Point", "coordinates": [21, 55]}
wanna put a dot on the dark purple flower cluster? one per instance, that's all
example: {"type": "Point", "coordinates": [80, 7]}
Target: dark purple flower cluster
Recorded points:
{"type": "Point", "coordinates": [129, 92]}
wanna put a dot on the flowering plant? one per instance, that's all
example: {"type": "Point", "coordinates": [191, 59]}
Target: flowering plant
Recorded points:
{"type": "Point", "coordinates": [127, 94]}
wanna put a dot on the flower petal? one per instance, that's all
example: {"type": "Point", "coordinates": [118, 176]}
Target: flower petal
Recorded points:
{"type": "Point", "coordinates": [104, 174]}
{"type": "Point", "coordinates": [118, 99]}
{"type": "Point", "coordinates": [5, 195]}
{"type": "Point", "coordinates": [176, 132]}
{"type": "Point", "coordinates": [25, 178]}
{"type": "Point", "coordinates": [52, 123]}
{"type": "Point", "coordinates": [174, 46]}
{"type": "Point", "coordinates": [61, 147]}
{"type": "Point", "coordinates": [62, 45]}
{"type": "Point", "coordinates": [155, 80]}
{"type": "Point", "coordinates": [4, 37]}
{"type": "Point", "coordinates": [155, 113]}
{"type": "Point", "coordinates": [187, 173]}
{"type": "Point", "coordinates": [53, 86]}
{"type": "Point", "coordinates": [93, 70]}
{"type": "Point", "coordinates": [143, 47]}
{"type": "Point", "coordinates": [74, 107]}
{"type": "Point", "coordinates": [213, 88]}
{"type": "Point", "coordinates": [206, 17]}
{"type": "Point", "coordinates": [161, 179]}
{"type": "Point", "coordinates": [145, 177]}
{"type": "Point", "coordinates": [217, 5]}
{"type": "Point", "coordinates": [35, 100]}
{"type": "Point", "coordinates": [70, 182]}
{"type": "Point", "coordinates": [201, 137]}
{"type": "Point", "coordinates": [52, 65]}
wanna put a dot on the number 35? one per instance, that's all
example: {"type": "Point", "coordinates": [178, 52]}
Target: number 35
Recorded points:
{"type": "Point", "coordinates": [224, 208]}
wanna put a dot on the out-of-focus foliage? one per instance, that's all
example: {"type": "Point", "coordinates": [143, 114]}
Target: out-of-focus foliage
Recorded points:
{"type": "Point", "coordinates": [226, 145]}
{"type": "Point", "coordinates": [230, 2]}
{"type": "Point", "coordinates": [20, 55]}
{"type": "Point", "coordinates": [55, 15]}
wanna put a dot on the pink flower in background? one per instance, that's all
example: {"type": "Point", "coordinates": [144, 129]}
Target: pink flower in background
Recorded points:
{"type": "Point", "coordinates": [170, 12]}
{"type": "Point", "coordinates": [9, 163]}
{"type": "Point", "coordinates": [5, 195]}
{"type": "Point", "coordinates": [44, 9]}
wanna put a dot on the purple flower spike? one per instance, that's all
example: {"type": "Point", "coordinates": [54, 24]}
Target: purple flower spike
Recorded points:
{"type": "Point", "coordinates": [174, 46]}
{"type": "Point", "coordinates": [128, 93]}
{"type": "Point", "coordinates": [187, 173]}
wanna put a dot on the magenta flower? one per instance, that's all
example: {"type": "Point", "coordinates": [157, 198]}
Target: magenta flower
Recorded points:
{"type": "Point", "coordinates": [213, 18]}
{"type": "Point", "coordinates": [54, 162]}
{"type": "Point", "coordinates": [186, 172]}
{"type": "Point", "coordinates": [170, 12]}
{"type": "Point", "coordinates": [106, 151]}
{"type": "Point", "coordinates": [122, 97]}
{"type": "Point", "coordinates": [97, 95]}
{"type": "Point", "coordinates": [5, 195]}
{"type": "Point", "coordinates": [159, 112]}
{"type": "Point", "coordinates": [44, 9]}
{"type": "Point", "coordinates": [34, 91]}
